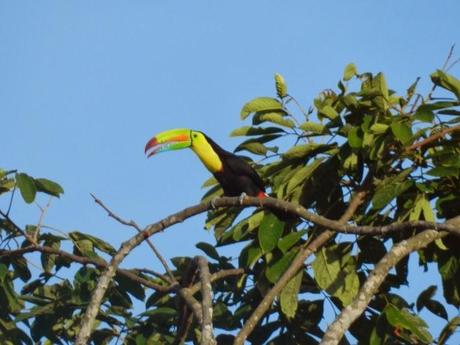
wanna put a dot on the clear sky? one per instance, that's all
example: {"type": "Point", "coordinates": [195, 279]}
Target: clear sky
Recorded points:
{"type": "Point", "coordinates": [84, 84]}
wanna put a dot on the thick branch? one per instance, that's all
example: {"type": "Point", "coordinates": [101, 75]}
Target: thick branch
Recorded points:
{"type": "Point", "coordinates": [207, 336]}
{"type": "Point", "coordinates": [350, 313]}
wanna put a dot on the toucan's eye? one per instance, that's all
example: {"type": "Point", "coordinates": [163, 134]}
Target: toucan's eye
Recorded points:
{"type": "Point", "coordinates": [195, 135]}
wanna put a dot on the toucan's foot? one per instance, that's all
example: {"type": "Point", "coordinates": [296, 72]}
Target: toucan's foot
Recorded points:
{"type": "Point", "coordinates": [213, 202]}
{"type": "Point", "coordinates": [242, 196]}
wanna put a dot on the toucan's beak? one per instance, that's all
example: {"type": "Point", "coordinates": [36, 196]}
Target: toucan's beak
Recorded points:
{"type": "Point", "coordinates": [174, 139]}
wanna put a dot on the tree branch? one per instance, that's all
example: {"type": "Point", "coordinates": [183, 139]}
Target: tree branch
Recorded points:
{"type": "Point", "coordinates": [433, 137]}
{"type": "Point", "coordinates": [99, 263]}
{"type": "Point", "coordinates": [350, 313]}
{"type": "Point", "coordinates": [180, 216]}
{"type": "Point", "coordinates": [207, 336]}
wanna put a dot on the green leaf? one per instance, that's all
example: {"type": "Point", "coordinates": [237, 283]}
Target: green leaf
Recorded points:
{"type": "Point", "coordinates": [448, 330]}
{"type": "Point", "coordinates": [424, 114]}
{"type": "Point", "coordinates": [276, 270]}
{"type": "Point", "coordinates": [402, 132]}
{"type": "Point", "coordinates": [212, 181]}
{"type": "Point", "coordinates": [425, 296]}
{"type": "Point", "coordinates": [96, 242]}
{"type": "Point", "coordinates": [372, 250]}
{"type": "Point", "coordinates": [285, 243]}
{"type": "Point", "coordinates": [335, 272]}
{"type": "Point", "coordinates": [49, 187]}
{"type": "Point", "coordinates": [381, 84]}
{"type": "Point", "coordinates": [270, 231]}
{"type": "Point", "coordinates": [449, 112]}
{"type": "Point", "coordinates": [300, 151]}
{"type": "Point", "coordinates": [253, 147]}
{"type": "Point", "coordinates": [289, 295]}
{"type": "Point", "coordinates": [134, 288]}
{"type": "Point", "coordinates": [355, 139]}
{"type": "Point", "coordinates": [437, 309]}
{"type": "Point", "coordinates": [447, 82]}
{"type": "Point", "coordinates": [162, 313]}
{"type": "Point", "coordinates": [260, 104]}
{"type": "Point", "coordinates": [301, 175]}
{"type": "Point", "coordinates": [277, 117]}
{"type": "Point", "coordinates": [251, 131]}
{"type": "Point", "coordinates": [281, 87]}
{"type": "Point", "coordinates": [209, 249]}
{"type": "Point", "coordinates": [378, 128]}
{"type": "Point", "coordinates": [402, 318]}
{"type": "Point", "coordinates": [349, 72]}
{"type": "Point", "coordinates": [449, 268]}
{"type": "Point", "coordinates": [27, 187]}
{"type": "Point", "coordinates": [328, 111]}
{"type": "Point", "coordinates": [249, 256]}
{"type": "Point", "coordinates": [313, 127]}
{"type": "Point", "coordinates": [351, 162]}
{"type": "Point", "coordinates": [444, 171]}
{"type": "Point", "coordinates": [390, 188]}
{"type": "Point", "coordinates": [48, 260]}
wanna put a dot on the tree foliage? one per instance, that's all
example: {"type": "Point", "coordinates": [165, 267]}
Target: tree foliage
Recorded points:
{"type": "Point", "coordinates": [361, 154]}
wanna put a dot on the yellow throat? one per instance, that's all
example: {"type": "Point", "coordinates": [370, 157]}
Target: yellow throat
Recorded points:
{"type": "Point", "coordinates": [205, 152]}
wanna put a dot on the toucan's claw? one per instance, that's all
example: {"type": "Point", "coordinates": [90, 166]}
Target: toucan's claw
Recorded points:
{"type": "Point", "coordinates": [213, 202]}
{"type": "Point", "coordinates": [242, 196]}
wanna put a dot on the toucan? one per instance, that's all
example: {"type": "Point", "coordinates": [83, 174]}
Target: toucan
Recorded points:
{"type": "Point", "coordinates": [234, 174]}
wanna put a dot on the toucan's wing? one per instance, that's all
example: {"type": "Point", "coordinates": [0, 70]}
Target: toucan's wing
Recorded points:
{"type": "Point", "coordinates": [238, 166]}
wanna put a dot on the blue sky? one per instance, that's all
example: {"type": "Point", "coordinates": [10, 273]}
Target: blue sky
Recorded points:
{"type": "Point", "coordinates": [84, 84]}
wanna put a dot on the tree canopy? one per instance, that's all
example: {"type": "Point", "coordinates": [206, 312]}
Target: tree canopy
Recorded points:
{"type": "Point", "coordinates": [370, 175]}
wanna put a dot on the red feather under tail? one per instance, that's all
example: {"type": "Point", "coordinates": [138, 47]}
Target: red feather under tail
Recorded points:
{"type": "Point", "coordinates": [262, 195]}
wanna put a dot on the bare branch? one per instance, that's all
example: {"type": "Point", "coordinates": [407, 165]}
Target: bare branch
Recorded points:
{"type": "Point", "coordinates": [133, 224]}
{"type": "Point", "coordinates": [43, 211]}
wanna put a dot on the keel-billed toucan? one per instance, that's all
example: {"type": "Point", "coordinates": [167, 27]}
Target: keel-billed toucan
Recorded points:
{"type": "Point", "coordinates": [234, 174]}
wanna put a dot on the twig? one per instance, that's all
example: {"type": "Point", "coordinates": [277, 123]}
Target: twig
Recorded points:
{"type": "Point", "coordinates": [217, 276]}
{"type": "Point", "coordinates": [18, 229]}
{"type": "Point", "coordinates": [133, 224]}
{"type": "Point", "coordinates": [191, 302]}
{"type": "Point", "coordinates": [207, 336]}
{"type": "Point", "coordinates": [449, 56]}
{"type": "Point", "coordinates": [43, 211]}
{"type": "Point", "coordinates": [433, 137]}
{"type": "Point", "coordinates": [10, 204]}
{"type": "Point", "coordinates": [155, 274]}
{"type": "Point", "coordinates": [444, 66]}
{"type": "Point", "coordinates": [99, 263]}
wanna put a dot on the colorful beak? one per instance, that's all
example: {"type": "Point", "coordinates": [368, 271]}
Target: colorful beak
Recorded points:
{"type": "Point", "coordinates": [174, 139]}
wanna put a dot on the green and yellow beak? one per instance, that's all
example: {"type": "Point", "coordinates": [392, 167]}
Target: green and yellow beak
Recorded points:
{"type": "Point", "coordinates": [173, 139]}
